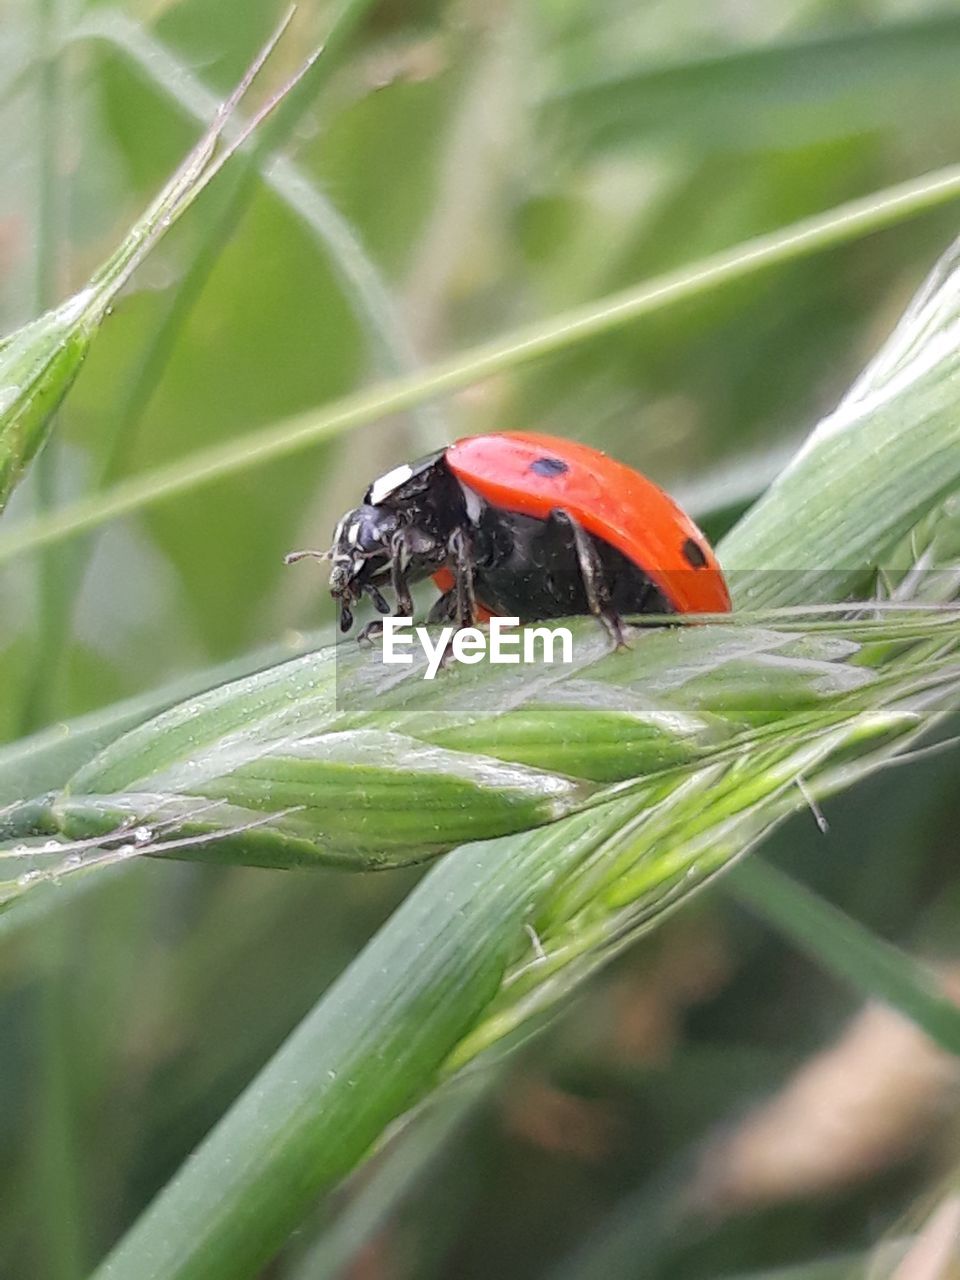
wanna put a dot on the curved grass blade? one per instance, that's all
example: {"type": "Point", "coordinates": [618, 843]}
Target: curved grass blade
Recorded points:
{"type": "Point", "coordinates": [407, 1158]}
{"type": "Point", "coordinates": [363, 289]}
{"type": "Point", "coordinates": [899, 428]}
{"type": "Point", "coordinates": [876, 968]}
{"type": "Point", "coordinates": [38, 364]}
{"type": "Point", "coordinates": [40, 361]}
{"type": "Point", "coordinates": [46, 760]}
{"type": "Point", "coordinates": [847, 222]}
{"type": "Point", "coordinates": [761, 95]}
{"type": "Point", "coordinates": [362, 283]}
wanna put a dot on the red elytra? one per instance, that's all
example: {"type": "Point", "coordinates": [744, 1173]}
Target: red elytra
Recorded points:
{"type": "Point", "coordinates": [610, 500]}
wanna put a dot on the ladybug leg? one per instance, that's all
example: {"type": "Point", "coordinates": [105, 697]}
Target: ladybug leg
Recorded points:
{"type": "Point", "coordinates": [459, 605]}
{"type": "Point", "coordinates": [379, 603]}
{"type": "Point", "coordinates": [594, 580]}
{"type": "Point", "coordinates": [404, 545]}
{"type": "Point", "coordinates": [464, 612]}
{"type": "Point", "coordinates": [411, 547]}
{"type": "Point", "coordinates": [444, 608]}
{"type": "Point", "coordinates": [399, 562]}
{"type": "Point", "coordinates": [368, 633]}
{"type": "Point", "coordinates": [346, 616]}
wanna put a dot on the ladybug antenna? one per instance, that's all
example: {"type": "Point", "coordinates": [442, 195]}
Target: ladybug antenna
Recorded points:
{"type": "Point", "coordinates": [293, 556]}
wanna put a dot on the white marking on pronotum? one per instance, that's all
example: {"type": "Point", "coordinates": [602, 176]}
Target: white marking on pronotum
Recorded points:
{"type": "Point", "coordinates": [474, 503]}
{"type": "Point", "coordinates": [353, 533]}
{"type": "Point", "coordinates": [386, 484]}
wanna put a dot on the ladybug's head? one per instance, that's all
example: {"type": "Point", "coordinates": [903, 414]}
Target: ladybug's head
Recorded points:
{"type": "Point", "coordinates": [360, 557]}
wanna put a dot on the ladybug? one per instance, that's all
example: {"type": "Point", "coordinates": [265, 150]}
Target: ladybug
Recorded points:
{"type": "Point", "coordinates": [522, 525]}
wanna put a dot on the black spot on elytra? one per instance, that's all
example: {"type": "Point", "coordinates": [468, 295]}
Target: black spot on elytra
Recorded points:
{"type": "Point", "coordinates": [694, 554]}
{"type": "Point", "coordinates": [548, 467]}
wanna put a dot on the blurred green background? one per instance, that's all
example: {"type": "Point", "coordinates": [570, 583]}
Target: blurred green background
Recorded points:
{"type": "Point", "coordinates": [477, 165]}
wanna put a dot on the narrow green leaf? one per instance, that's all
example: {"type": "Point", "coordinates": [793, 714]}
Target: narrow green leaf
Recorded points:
{"type": "Point", "coordinates": [847, 222]}
{"type": "Point", "coordinates": [46, 760]}
{"type": "Point", "coordinates": [38, 364]}
{"type": "Point", "coordinates": [853, 953]}
{"type": "Point", "coordinates": [366, 1053]}
{"type": "Point", "coordinates": [363, 286]}
{"type": "Point", "coordinates": [40, 361]}
{"type": "Point", "coordinates": [898, 431]}
{"type": "Point", "coordinates": [480, 950]}
{"type": "Point", "coordinates": [410, 1154]}
{"type": "Point", "coordinates": [787, 93]}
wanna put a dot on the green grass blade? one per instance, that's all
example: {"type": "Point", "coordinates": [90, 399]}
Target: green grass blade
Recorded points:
{"type": "Point", "coordinates": [899, 428]}
{"type": "Point", "coordinates": [792, 92]}
{"type": "Point", "coordinates": [362, 283]}
{"type": "Point", "coordinates": [363, 1055]}
{"type": "Point", "coordinates": [847, 222]}
{"type": "Point", "coordinates": [362, 287]}
{"type": "Point", "coordinates": [329, 1093]}
{"type": "Point", "coordinates": [409, 1156]}
{"type": "Point", "coordinates": [58, 1191]}
{"type": "Point", "coordinates": [877, 969]}
{"type": "Point", "coordinates": [456, 967]}
{"type": "Point", "coordinates": [37, 367]}
{"type": "Point", "coordinates": [48, 759]}
{"type": "Point", "coordinates": [40, 361]}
